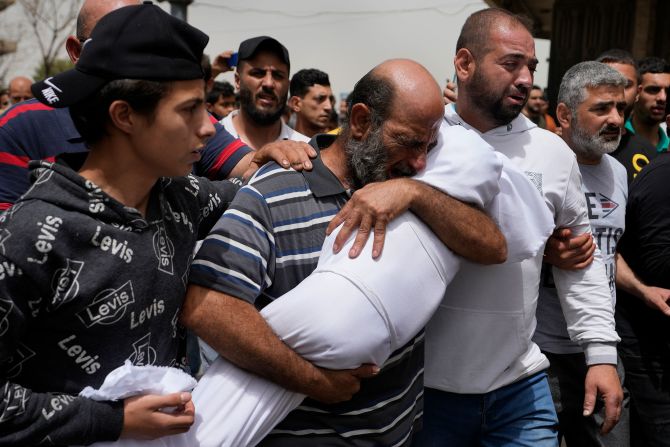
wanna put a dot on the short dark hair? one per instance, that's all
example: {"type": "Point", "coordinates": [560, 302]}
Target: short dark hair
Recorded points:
{"type": "Point", "coordinates": [219, 89]}
{"type": "Point", "coordinates": [619, 56]}
{"type": "Point", "coordinates": [377, 93]}
{"type": "Point", "coordinates": [476, 29]}
{"type": "Point", "coordinates": [303, 79]}
{"type": "Point", "coordinates": [206, 65]}
{"type": "Point", "coordinates": [91, 116]}
{"type": "Point", "coordinates": [616, 56]}
{"type": "Point", "coordinates": [653, 65]}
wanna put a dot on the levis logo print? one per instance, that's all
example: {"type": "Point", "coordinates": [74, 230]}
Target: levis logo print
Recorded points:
{"type": "Point", "coordinates": [82, 357]}
{"type": "Point", "coordinates": [4, 236]}
{"type": "Point", "coordinates": [65, 284]}
{"type": "Point", "coordinates": [14, 402]}
{"type": "Point", "coordinates": [5, 309]}
{"type": "Point", "coordinates": [112, 245]}
{"type": "Point", "coordinates": [45, 238]}
{"type": "Point", "coordinates": [20, 356]}
{"type": "Point", "coordinates": [213, 203]}
{"type": "Point", "coordinates": [9, 270]}
{"type": "Point", "coordinates": [96, 198]}
{"type": "Point", "coordinates": [143, 353]}
{"type": "Point", "coordinates": [194, 187]}
{"type": "Point", "coordinates": [164, 250]}
{"type": "Point", "coordinates": [108, 306]}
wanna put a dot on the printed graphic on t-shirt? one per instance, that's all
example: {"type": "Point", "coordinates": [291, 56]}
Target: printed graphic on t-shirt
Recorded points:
{"type": "Point", "coordinates": [599, 206]}
{"type": "Point", "coordinates": [536, 179]}
{"type": "Point", "coordinates": [639, 161]}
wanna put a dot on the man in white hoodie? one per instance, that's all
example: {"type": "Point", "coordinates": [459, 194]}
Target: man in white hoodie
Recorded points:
{"type": "Point", "coordinates": [484, 376]}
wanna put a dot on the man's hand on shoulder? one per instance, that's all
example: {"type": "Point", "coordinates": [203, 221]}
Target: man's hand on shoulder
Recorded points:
{"type": "Point", "coordinates": [569, 252]}
{"type": "Point", "coordinates": [287, 153]}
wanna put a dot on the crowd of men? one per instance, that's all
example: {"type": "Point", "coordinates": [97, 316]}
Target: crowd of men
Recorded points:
{"type": "Point", "coordinates": [111, 174]}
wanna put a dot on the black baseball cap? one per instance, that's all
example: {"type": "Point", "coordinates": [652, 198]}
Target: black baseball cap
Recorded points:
{"type": "Point", "coordinates": [134, 42]}
{"type": "Point", "coordinates": [250, 47]}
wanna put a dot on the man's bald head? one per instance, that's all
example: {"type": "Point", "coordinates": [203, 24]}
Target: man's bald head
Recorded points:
{"type": "Point", "coordinates": [93, 10]}
{"type": "Point", "coordinates": [394, 118]}
{"type": "Point", "coordinates": [89, 15]}
{"type": "Point", "coordinates": [416, 93]}
{"type": "Point", "coordinates": [476, 32]}
{"type": "Point", "coordinates": [397, 85]}
{"type": "Point", "coordinates": [19, 89]}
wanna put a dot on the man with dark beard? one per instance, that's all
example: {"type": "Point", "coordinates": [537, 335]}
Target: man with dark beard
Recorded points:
{"type": "Point", "coordinates": [591, 113]}
{"type": "Point", "coordinates": [262, 78]}
{"type": "Point", "coordinates": [634, 152]}
{"type": "Point", "coordinates": [485, 379]}
{"type": "Point", "coordinates": [275, 231]}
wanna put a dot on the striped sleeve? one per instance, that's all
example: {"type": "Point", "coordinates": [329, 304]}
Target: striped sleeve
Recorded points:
{"type": "Point", "coordinates": [221, 154]}
{"type": "Point", "coordinates": [26, 133]}
{"type": "Point", "coordinates": [237, 258]}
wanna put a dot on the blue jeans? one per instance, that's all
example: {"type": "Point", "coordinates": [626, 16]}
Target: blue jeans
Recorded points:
{"type": "Point", "coordinates": [519, 414]}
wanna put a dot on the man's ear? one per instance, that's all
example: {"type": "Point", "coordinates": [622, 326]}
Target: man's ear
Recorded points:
{"type": "Point", "coordinates": [73, 48]}
{"type": "Point", "coordinates": [359, 120]}
{"type": "Point", "coordinates": [295, 103]}
{"type": "Point", "coordinates": [237, 81]}
{"type": "Point", "coordinates": [122, 116]}
{"type": "Point", "coordinates": [464, 63]}
{"type": "Point", "coordinates": [563, 115]}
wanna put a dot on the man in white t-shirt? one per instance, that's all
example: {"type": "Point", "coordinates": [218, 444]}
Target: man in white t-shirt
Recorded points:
{"type": "Point", "coordinates": [262, 78]}
{"type": "Point", "coordinates": [591, 113]}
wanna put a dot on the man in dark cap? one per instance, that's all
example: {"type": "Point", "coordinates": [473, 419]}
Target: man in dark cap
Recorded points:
{"type": "Point", "coordinates": [262, 78]}
{"type": "Point", "coordinates": [94, 257]}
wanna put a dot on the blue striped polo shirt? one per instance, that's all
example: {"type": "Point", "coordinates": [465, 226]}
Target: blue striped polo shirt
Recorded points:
{"type": "Point", "coordinates": [268, 241]}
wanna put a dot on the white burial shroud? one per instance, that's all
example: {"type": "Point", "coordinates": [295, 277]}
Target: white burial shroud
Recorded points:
{"type": "Point", "coordinates": [354, 311]}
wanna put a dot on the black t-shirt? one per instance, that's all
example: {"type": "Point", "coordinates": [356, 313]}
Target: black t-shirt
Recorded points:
{"type": "Point", "coordinates": [646, 248]}
{"type": "Point", "coordinates": [634, 152]}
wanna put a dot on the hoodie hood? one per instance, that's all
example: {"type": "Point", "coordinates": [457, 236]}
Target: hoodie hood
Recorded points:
{"type": "Point", "coordinates": [519, 124]}
{"type": "Point", "coordinates": [59, 184]}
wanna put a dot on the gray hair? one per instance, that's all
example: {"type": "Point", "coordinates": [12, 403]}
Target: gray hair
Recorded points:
{"type": "Point", "coordinates": [585, 75]}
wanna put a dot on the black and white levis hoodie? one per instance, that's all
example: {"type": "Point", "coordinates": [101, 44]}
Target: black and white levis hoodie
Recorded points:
{"type": "Point", "coordinates": [86, 283]}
